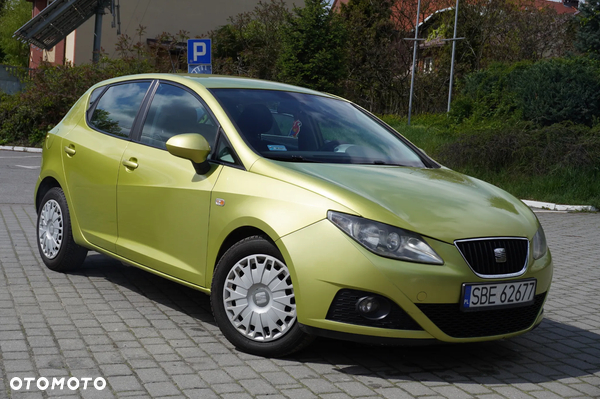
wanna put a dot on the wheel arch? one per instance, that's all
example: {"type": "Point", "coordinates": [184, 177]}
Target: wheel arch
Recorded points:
{"type": "Point", "coordinates": [237, 235]}
{"type": "Point", "coordinates": [48, 183]}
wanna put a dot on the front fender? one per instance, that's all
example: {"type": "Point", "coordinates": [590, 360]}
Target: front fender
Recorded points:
{"type": "Point", "coordinates": [272, 206]}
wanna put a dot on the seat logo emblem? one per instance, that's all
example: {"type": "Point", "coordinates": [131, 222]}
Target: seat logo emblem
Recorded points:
{"type": "Point", "coordinates": [500, 255]}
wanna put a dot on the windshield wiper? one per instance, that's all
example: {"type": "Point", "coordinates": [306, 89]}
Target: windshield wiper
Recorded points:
{"type": "Point", "coordinates": [378, 162]}
{"type": "Point", "coordinates": [288, 158]}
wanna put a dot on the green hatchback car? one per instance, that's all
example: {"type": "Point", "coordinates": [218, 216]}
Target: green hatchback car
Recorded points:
{"type": "Point", "coordinates": [300, 213]}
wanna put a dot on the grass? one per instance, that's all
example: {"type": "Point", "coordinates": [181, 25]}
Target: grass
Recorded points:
{"type": "Point", "coordinates": [429, 132]}
{"type": "Point", "coordinates": [566, 186]}
{"type": "Point", "coordinates": [559, 185]}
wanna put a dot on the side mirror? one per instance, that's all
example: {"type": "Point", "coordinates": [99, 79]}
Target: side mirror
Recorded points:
{"type": "Point", "coordinates": [191, 146]}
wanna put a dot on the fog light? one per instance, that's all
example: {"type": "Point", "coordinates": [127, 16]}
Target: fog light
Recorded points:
{"type": "Point", "coordinates": [373, 308]}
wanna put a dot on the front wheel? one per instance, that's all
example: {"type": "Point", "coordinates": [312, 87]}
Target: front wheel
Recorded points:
{"type": "Point", "coordinates": [55, 238]}
{"type": "Point", "coordinates": [253, 300]}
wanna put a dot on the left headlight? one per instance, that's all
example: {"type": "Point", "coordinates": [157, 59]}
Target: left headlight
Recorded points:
{"type": "Point", "coordinates": [386, 240]}
{"type": "Point", "coordinates": [539, 244]}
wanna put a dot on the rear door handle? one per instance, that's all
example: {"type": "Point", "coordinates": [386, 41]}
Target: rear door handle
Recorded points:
{"type": "Point", "coordinates": [131, 164]}
{"type": "Point", "coordinates": [70, 150]}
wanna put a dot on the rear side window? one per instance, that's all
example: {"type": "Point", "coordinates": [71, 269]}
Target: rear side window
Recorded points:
{"type": "Point", "coordinates": [118, 108]}
{"type": "Point", "coordinates": [94, 96]}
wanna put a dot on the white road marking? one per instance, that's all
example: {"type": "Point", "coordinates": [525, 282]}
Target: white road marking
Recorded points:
{"type": "Point", "coordinates": [27, 167]}
{"type": "Point", "coordinates": [27, 156]}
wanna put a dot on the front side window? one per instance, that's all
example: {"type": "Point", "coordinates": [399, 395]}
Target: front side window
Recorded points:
{"type": "Point", "coordinates": [118, 107]}
{"type": "Point", "coordinates": [176, 111]}
{"type": "Point", "coordinates": [298, 127]}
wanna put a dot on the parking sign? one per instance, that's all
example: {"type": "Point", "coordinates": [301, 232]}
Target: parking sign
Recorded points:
{"type": "Point", "coordinates": [199, 51]}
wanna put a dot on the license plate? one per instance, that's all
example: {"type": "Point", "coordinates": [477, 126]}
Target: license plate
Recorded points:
{"type": "Point", "coordinates": [483, 296]}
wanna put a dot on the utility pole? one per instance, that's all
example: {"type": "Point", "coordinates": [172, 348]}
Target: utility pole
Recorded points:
{"type": "Point", "coordinates": [454, 39]}
{"type": "Point", "coordinates": [414, 65]}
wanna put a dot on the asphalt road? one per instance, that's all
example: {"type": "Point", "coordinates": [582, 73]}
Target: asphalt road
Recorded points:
{"type": "Point", "coordinates": [18, 174]}
{"type": "Point", "coordinates": [151, 338]}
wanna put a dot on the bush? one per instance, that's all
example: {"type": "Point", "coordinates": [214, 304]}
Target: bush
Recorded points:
{"type": "Point", "coordinates": [558, 90]}
{"type": "Point", "coordinates": [527, 149]}
{"type": "Point", "coordinates": [461, 109]}
{"type": "Point", "coordinates": [27, 116]}
{"type": "Point", "coordinates": [489, 90]}
{"type": "Point", "coordinates": [546, 92]}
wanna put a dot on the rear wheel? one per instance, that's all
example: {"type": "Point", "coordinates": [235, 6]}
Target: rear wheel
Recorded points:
{"type": "Point", "coordinates": [253, 300]}
{"type": "Point", "coordinates": [55, 238]}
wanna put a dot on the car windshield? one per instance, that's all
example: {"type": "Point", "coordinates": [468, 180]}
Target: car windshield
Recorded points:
{"type": "Point", "coordinates": [298, 127]}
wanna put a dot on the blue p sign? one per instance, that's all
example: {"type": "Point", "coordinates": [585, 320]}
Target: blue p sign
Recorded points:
{"type": "Point", "coordinates": [199, 51]}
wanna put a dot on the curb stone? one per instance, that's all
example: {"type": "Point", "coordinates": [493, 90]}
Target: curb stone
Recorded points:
{"type": "Point", "coordinates": [20, 149]}
{"type": "Point", "coordinates": [532, 204]}
{"type": "Point", "coordinates": [557, 207]}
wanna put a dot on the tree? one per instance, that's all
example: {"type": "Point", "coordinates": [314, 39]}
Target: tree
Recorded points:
{"type": "Point", "coordinates": [15, 13]}
{"type": "Point", "coordinates": [373, 54]}
{"type": "Point", "coordinates": [250, 44]}
{"type": "Point", "coordinates": [508, 31]}
{"type": "Point", "coordinates": [587, 39]}
{"type": "Point", "coordinates": [2, 54]}
{"type": "Point", "coordinates": [313, 52]}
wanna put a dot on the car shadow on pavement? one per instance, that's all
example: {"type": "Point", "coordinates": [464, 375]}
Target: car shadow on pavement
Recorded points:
{"type": "Point", "coordinates": [553, 351]}
{"type": "Point", "coordinates": [157, 289]}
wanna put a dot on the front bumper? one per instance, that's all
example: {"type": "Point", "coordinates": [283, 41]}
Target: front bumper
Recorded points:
{"type": "Point", "coordinates": [325, 262]}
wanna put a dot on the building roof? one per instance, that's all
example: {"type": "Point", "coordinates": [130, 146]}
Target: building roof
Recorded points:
{"type": "Point", "coordinates": [57, 21]}
{"type": "Point", "coordinates": [559, 7]}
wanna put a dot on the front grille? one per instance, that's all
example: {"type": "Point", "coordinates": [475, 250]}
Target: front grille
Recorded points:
{"type": "Point", "coordinates": [479, 255]}
{"type": "Point", "coordinates": [485, 323]}
{"type": "Point", "coordinates": [343, 309]}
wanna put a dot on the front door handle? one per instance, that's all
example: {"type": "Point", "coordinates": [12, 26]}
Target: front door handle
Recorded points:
{"type": "Point", "coordinates": [131, 164]}
{"type": "Point", "coordinates": [70, 150]}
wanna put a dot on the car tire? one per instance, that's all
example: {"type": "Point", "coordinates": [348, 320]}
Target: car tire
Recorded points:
{"type": "Point", "coordinates": [54, 235]}
{"type": "Point", "coordinates": [252, 299]}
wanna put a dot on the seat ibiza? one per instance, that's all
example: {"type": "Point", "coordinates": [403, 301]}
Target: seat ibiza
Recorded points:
{"type": "Point", "coordinates": [298, 212]}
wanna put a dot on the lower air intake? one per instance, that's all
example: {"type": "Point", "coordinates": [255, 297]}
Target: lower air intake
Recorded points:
{"type": "Point", "coordinates": [485, 323]}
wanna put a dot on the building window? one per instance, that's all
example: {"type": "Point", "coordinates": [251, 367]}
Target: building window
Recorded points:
{"type": "Point", "coordinates": [428, 65]}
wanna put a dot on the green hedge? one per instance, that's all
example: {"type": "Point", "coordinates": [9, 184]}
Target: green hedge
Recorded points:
{"type": "Point", "coordinates": [525, 148]}
{"type": "Point", "coordinates": [546, 92]}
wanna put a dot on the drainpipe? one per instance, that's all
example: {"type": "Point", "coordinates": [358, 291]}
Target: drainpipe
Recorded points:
{"type": "Point", "coordinates": [98, 32]}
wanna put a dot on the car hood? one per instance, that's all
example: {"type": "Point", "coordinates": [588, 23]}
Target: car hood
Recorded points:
{"type": "Point", "coordinates": [438, 203]}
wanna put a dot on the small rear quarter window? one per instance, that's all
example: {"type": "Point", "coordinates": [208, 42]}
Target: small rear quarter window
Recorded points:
{"type": "Point", "coordinates": [118, 107]}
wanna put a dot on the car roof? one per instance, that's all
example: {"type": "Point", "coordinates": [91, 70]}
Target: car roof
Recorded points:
{"type": "Point", "coordinates": [219, 82]}
{"type": "Point", "coordinates": [238, 82]}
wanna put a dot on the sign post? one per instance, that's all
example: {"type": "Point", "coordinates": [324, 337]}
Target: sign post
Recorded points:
{"type": "Point", "coordinates": [199, 56]}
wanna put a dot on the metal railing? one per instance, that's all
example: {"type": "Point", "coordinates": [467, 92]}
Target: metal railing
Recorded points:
{"type": "Point", "coordinates": [13, 78]}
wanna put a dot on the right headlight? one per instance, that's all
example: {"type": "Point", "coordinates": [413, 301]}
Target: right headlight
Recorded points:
{"type": "Point", "coordinates": [539, 244]}
{"type": "Point", "coordinates": [385, 240]}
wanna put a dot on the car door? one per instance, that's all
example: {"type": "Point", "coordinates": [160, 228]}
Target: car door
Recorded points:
{"type": "Point", "coordinates": [163, 205]}
{"type": "Point", "coordinates": [92, 155]}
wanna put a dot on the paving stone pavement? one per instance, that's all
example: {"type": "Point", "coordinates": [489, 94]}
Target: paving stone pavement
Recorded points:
{"type": "Point", "coordinates": [151, 338]}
